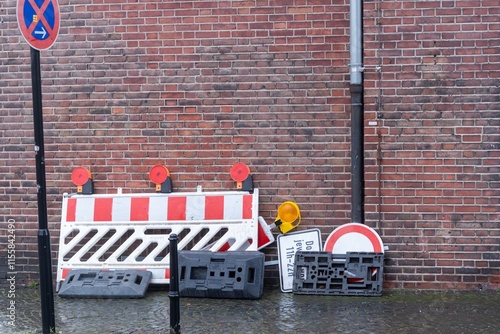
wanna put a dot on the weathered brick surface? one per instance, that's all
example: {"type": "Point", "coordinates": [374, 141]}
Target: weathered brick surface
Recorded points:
{"type": "Point", "coordinates": [200, 85]}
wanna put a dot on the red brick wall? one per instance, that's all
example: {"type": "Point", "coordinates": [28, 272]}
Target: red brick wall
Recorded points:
{"type": "Point", "coordinates": [433, 157]}
{"type": "Point", "coordinates": [200, 85]}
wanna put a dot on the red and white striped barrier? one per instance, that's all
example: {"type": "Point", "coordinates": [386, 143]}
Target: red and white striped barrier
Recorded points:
{"type": "Point", "coordinates": [161, 208]}
{"type": "Point", "coordinates": [130, 231]}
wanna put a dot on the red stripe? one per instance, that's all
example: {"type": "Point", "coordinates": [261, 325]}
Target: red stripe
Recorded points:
{"type": "Point", "coordinates": [65, 273]}
{"type": "Point", "coordinates": [225, 247]}
{"type": "Point", "coordinates": [339, 232]}
{"type": "Point", "coordinates": [139, 209]}
{"type": "Point", "coordinates": [247, 206]}
{"type": "Point", "coordinates": [102, 209]}
{"type": "Point", "coordinates": [262, 237]}
{"type": "Point", "coordinates": [214, 207]}
{"type": "Point", "coordinates": [71, 210]}
{"type": "Point", "coordinates": [176, 209]}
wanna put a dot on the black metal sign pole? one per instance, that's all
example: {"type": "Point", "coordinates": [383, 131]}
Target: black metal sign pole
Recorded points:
{"type": "Point", "coordinates": [173, 294]}
{"type": "Point", "coordinates": [44, 254]}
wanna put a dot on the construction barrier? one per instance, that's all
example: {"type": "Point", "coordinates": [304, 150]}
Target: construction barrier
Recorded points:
{"type": "Point", "coordinates": [131, 231]}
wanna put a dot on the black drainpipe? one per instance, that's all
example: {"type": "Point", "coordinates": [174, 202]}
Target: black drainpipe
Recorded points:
{"type": "Point", "coordinates": [357, 110]}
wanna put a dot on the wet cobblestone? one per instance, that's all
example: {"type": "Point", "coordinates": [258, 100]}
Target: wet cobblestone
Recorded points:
{"type": "Point", "coordinates": [275, 312]}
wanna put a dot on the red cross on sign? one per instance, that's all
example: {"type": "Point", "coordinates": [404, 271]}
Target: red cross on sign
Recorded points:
{"type": "Point", "coordinates": [39, 22]}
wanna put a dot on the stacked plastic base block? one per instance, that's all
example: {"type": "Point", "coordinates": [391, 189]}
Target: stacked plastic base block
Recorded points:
{"type": "Point", "coordinates": [235, 274]}
{"type": "Point", "coordinates": [86, 283]}
{"type": "Point", "coordinates": [324, 273]}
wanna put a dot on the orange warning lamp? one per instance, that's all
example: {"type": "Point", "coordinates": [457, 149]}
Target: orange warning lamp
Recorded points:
{"type": "Point", "coordinates": [288, 216]}
{"type": "Point", "coordinates": [241, 174]}
{"type": "Point", "coordinates": [82, 178]}
{"type": "Point", "coordinates": [160, 176]}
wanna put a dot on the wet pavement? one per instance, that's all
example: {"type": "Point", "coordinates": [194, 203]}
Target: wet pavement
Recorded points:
{"type": "Point", "coordinates": [275, 312]}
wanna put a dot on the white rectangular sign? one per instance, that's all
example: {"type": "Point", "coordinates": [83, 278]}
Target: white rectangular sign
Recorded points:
{"type": "Point", "coordinates": [288, 245]}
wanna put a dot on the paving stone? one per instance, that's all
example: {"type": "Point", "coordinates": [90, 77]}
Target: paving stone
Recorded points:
{"type": "Point", "coordinates": [275, 312]}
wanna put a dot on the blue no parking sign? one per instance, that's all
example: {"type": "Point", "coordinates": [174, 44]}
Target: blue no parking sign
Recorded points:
{"type": "Point", "coordinates": [39, 22]}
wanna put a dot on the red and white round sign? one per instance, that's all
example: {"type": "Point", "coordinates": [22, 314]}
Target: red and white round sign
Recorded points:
{"type": "Point", "coordinates": [353, 237]}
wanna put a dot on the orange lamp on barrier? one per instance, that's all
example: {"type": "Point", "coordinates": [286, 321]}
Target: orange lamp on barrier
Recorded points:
{"type": "Point", "coordinates": [241, 174]}
{"type": "Point", "coordinates": [288, 217]}
{"type": "Point", "coordinates": [82, 178]}
{"type": "Point", "coordinates": [160, 176]}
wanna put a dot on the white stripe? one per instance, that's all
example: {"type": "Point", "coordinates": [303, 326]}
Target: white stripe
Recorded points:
{"type": "Point", "coordinates": [233, 207]}
{"type": "Point", "coordinates": [157, 273]}
{"type": "Point", "coordinates": [195, 208]}
{"type": "Point", "coordinates": [84, 209]}
{"type": "Point", "coordinates": [158, 208]}
{"type": "Point", "coordinates": [121, 209]}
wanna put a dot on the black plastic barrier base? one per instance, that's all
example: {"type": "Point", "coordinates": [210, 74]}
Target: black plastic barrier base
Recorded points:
{"type": "Point", "coordinates": [85, 283]}
{"type": "Point", "coordinates": [238, 275]}
{"type": "Point", "coordinates": [323, 273]}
